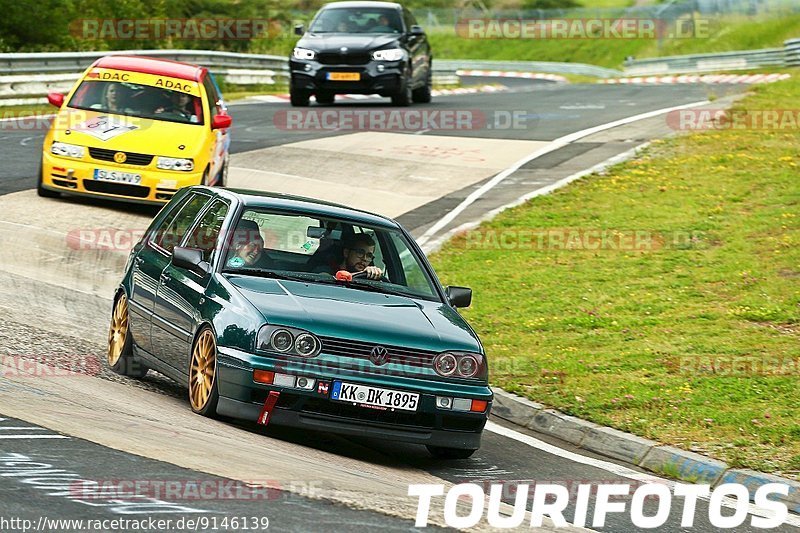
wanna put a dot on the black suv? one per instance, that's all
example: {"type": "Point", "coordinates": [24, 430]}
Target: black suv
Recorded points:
{"type": "Point", "coordinates": [361, 48]}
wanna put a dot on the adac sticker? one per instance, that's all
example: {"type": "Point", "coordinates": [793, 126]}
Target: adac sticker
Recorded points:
{"type": "Point", "coordinates": [153, 80]}
{"type": "Point", "coordinates": [105, 127]}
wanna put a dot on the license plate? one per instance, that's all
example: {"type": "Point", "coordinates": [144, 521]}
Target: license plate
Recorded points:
{"type": "Point", "coordinates": [344, 76]}
{"type": "Point", "coordinates": [114, 175]}
{"type": "Point", "coordinates": [374, 397]}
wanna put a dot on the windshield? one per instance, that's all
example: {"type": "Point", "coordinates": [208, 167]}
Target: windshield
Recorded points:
{"type": "Point", "coordinates": [360, 20]}
{"type": "Point", "coordinates": [307, 248]}
{"type": "Point", "coordinates": [138, 100]}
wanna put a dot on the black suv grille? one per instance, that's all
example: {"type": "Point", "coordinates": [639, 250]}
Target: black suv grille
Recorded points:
{"type": "Point", "coordinates": [361, 350]}
{"type": "Point", "coordinates": [333, 58]}
{"type": "Point", "coordinates": [133, 158]}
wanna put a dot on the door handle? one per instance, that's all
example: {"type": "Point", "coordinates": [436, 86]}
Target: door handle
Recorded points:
{"type": "Point", "coordinates": [165, 277]}
{"type": "Point", "coordinates": [138, 261]}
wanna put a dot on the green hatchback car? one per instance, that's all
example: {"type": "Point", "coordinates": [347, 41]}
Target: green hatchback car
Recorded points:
{"type": "Point", "coordinates": [291, 311]}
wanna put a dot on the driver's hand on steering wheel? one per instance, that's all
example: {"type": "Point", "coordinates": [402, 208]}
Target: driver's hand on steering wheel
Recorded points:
{"type": "Point", "coordinates": [373, 272]}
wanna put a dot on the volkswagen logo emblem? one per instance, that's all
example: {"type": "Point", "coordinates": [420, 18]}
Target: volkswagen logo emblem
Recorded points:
{"type": "Point", "coordinates": [343, 49]}
{"type": "Point", "coordinates": [379, 355]}
{"type": "Point", "coordinates": [120, 157]}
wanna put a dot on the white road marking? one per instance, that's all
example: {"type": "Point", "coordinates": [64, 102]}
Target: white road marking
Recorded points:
{"type": "Point", "coordinates": [434, 244]}
{"type": "Point", "coordinates": [33, 437]}
{"type": "Point", "coordinates": [4, 428]}
{"type": "Point", "coordinates": [552, 146]}
{"type": "Point", "coordinates": [619, 470]}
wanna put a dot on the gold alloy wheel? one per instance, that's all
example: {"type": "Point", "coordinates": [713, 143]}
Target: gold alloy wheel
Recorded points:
{"type": "Point", "coordinates": [118, 332]}
{"type": "Point", "coordinates": [201, 371]}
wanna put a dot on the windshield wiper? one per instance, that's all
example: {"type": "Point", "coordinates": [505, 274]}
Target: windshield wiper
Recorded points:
{"type": "Point", "coordinates": [272, 274]}
{"type": "Point", "coordinates": [359, 284]}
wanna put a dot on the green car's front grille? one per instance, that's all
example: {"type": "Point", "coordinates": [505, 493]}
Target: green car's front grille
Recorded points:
{"type": "Point", "coordinates": [362, 350]}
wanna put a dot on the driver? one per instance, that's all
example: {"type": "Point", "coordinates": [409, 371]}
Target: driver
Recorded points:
{"type": "Point", "coordinates": [247, 246]}
{"type": "Point", "coordinates": [180, 104]}
{"type": "Point", "coordinates": [358, 254]}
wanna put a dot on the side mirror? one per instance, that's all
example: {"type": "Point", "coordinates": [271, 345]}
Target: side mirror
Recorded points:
{"type": "Point", "coordinates": [299, 29]}
{"type": "Point", "coordinates": [55, 99]}
{"type": "Point", "coordinates": [221, 122]}
{"type": "Point", "coordinates": [458, 296]}
{"type": "Point", "coordinates": [190, 259]}
{"type": "Point", "coordinates": [417, 31]}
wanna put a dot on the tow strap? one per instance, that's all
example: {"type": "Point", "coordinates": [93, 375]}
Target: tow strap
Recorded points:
{"type": "Point", "coordinates": [269, 404]}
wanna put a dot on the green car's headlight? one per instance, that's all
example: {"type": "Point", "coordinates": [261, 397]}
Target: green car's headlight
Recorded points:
{"type": "Point", "coordinates": [460, 365]}
{"type": "Point", "coordinates": [287, 341]}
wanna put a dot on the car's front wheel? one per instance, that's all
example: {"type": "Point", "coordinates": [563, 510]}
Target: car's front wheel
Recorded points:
{"type": "Point", "coordinates": [121, 358]}
{"type": "Point", "coordinates": [222, 175]}
{"type": "Point", "coordinates": [441, 452]}
{"type": "Point", "coordinates": [325, 98]}
{"type": "Point", "coordinates": [404, 96]}
{"type": "Point", "coordinates": [424, 94]}
{"type": "Point", "coordinates": [203, 391]}
{"type": "Point", "coordinates": [299, 98]}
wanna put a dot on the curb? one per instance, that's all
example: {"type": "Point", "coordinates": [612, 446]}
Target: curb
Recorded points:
{"type": "Point", "coordinates": [705, 78]}
{"type": "Point", "coordinates": [281, 98]}
{"type": "Point", "coordinates": [633, 450]}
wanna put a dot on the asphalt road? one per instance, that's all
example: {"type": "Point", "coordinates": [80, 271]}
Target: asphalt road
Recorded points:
{"type": "Point", "coordinates": [47, 477]}
{"type": "Point", "coordinates": [547, 112]}
{"type": "Point", "coordinates": [543, 111]}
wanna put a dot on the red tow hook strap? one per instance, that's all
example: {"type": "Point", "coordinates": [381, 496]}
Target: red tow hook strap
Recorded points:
{"type": "Point", "coordinates": [269, 404]}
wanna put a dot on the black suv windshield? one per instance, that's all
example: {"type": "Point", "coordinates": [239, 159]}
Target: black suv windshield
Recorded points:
{"type": "Point", "coordinates": [357, 20]}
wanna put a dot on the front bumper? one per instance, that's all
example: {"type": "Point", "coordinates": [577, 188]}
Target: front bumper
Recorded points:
{"type": "Point", "coordinates": [76, 176]}
{"type": "Point", "coordinates": [241, 397]}
{"type": "Point", "coordinates": [376, 77]}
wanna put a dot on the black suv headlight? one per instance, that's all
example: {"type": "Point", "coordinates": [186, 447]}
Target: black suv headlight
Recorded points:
{"type": "Point", "coordinates": [303, 53]}
{"type": "Point", "coordinates": [287, 341]}
{"type": "Point", "coordinates": [390, 54]}
{"type": "Point", "coordinates": [460, 365]}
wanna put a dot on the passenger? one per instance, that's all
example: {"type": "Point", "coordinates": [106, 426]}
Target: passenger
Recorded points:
{"type": "Point", "coordinates": [247, 246]}
{"type": "Point", "coordinates": [114, 99]}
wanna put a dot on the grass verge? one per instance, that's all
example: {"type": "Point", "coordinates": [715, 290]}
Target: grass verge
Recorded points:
{"type": "Point", "coordinates": [692, 340]}
{"type": "Point", "coordinates": [723, 35]}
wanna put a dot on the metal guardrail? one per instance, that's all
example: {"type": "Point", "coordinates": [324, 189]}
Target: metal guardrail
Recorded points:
{"type": "Point", "coordinates": [26, 77]}
{"type": "Point", "coordinates": [547, 67]}
{"type": "Point", "coordinates": [740, 60]}
{"type": "Point", "coordinates": [792, 52]}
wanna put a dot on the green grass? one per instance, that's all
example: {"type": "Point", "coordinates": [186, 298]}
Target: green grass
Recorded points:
{"type": "Point", "coordinates": [696, 344]}
{"type": "Point", "coordinates": [731, 33]}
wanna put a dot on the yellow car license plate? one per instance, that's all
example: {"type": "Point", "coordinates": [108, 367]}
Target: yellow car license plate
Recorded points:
{"type": "Point", "coordinates": [344, 76]}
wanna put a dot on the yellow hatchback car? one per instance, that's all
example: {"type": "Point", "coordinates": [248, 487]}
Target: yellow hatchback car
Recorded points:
{"type": "Point", "coordinates": [136, 129]}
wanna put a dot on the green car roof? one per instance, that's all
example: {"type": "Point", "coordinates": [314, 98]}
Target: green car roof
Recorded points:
{"type": "Point", "coordinates": [312, 206]}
